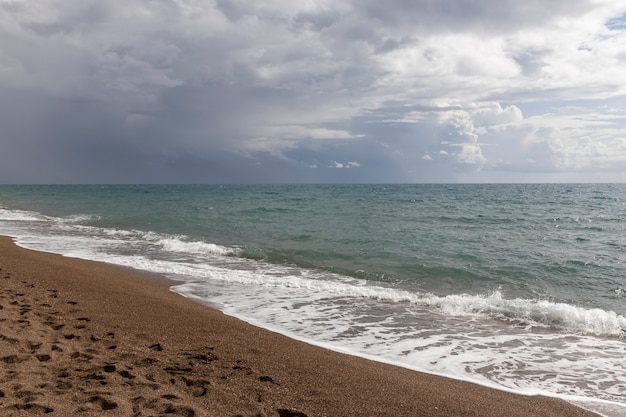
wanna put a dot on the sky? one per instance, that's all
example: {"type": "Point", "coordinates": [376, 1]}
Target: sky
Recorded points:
{"type": "Point", "coordinates": [341, 91]}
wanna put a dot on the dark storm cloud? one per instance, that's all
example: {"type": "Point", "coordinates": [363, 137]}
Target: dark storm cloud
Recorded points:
{"type": "Point", "coordinates": [469, 15]}
{"type": "Point", "coordinates": [253, 91]}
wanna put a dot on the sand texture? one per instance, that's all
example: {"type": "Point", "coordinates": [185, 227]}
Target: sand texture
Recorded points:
{"type": "Point", "coordinates": [80, 338]}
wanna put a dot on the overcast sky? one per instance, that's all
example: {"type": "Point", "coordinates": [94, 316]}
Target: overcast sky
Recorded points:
{"type": "Point", "coordinates": [218, 91]}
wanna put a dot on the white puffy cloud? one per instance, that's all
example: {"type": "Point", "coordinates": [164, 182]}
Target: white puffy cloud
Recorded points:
{"type": "Point", "coordinates": [346, 165]}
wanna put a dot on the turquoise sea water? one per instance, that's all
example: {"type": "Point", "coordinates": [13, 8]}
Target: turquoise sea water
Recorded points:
{"type": "Point", "coordinates": [521, 287]}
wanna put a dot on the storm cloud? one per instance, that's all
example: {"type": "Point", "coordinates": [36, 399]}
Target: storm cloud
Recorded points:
{"type": "Point", "coordinates": [344, 91]}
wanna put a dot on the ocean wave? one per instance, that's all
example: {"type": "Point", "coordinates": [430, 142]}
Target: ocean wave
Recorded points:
{"type": "Point", "coordinates": [539, 313]}
{"type": "Point", "coordinates": [80, 218]}
{"type": "Point", "coordinates": [195, 247]}
{"type": "Point", "coordinates": [557, 316]}
{"type": "Point", "coordinates": [20, 215]}
{"type": "Point", "coordinates": [560, 317]}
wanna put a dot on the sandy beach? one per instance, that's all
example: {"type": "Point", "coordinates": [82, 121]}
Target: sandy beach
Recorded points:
{"type": "Point", "coordinates": [86, 338]}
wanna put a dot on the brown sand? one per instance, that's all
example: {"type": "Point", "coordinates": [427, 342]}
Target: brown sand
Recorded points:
{"type": "Point", "coordinates": [85, 338]}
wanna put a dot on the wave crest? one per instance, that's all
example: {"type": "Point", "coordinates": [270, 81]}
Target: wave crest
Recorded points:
{"type": "Point", "coordinates": [195, 247]}
{"type": "Point", "coordinates": [20, 215]}
{"type": "Point", "coordinates": [558, 316]}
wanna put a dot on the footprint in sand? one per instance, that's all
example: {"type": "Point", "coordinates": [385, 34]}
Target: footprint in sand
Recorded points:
{"type": "Point", "coordinates": [10, 340]}
{"type": "Point", "coordinates": [161, 407]}
{"type": "Point", "coordinates": [33, 347]}
{"type": "Point", "coordinates": [11, 359]}
{"type": "Point", "coordinates": [34, 408]}
{"type": "Point", "coordinates": [290, 413]}
{"type": "Point", "coordinates": [102, 402]}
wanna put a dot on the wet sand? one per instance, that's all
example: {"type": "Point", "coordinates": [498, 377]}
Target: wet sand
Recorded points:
{"type": "Point", "coordinates": [85, 338]}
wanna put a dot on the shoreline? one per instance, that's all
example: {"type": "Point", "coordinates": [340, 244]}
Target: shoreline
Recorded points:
{"type": "Point", "coordinates": [83, 337]}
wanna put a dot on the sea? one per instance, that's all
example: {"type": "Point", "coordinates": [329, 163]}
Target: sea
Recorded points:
{"type": "Point", "coordinates": [519, 287]}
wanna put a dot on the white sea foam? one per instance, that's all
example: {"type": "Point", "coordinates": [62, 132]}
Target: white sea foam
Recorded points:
{"type": "Point", "coordinates": [20, 215]}
{"type": "Point", "coordinates": [79, 218]}
{"type": "Point", "coordinates": [559, 316]}
{"type": "Point", "coordinates": [199, 248]}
